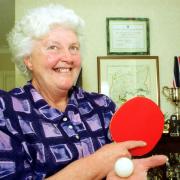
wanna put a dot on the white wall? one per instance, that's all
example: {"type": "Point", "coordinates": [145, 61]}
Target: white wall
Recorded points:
{"type": "Point", "coordinates": [164, 16]}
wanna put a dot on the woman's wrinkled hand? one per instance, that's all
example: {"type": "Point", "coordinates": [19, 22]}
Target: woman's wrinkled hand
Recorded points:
{"type": "Point", "coordinates": [141, 167]}
{"type": "Point", "coordinates": [106, 156]}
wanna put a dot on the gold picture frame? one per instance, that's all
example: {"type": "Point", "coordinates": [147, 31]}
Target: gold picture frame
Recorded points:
{"type": "Point", "coordinates": [124, 77]}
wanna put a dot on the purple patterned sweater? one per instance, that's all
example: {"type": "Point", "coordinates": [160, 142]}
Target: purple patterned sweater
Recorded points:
{"type": "Point", "coordinates": [37, 140]}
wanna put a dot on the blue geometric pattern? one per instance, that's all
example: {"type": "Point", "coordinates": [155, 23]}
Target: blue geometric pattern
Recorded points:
{"type": "Point", "coordinates": [6, 168]}
{"type": "Point", "coordinates": [51, 130]}
{"type": "Point", "coordinates": [94, 122]}
{"type": "Point", "coordinates": [5, 144]}
{"type": "Point", "coordinates": [2, 106]}
{"type": "Point", "coordinates": [61, 153]}
{"type": "Point", "coordinates": [37, 140]}
{"type": "Point", "coordinates": [49, 113]}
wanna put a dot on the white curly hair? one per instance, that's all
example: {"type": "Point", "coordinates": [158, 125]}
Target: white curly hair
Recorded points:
{"type": "Point", "coordinates": [36, 23]}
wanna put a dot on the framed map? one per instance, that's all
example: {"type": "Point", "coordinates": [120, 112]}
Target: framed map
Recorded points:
{"type": "Point", "coordinates": [124, 77]}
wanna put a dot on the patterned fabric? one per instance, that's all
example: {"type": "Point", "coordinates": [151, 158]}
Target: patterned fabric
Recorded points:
{"type": "Point", "coordinates": [37, 140]}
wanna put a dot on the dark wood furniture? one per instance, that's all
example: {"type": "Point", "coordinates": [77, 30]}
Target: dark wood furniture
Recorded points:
{"type": "Point", "coordinates": [167, 145]}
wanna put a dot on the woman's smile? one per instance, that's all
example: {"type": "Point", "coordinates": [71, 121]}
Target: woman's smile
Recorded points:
{"type": "Point", "coordinates": [62, 70]}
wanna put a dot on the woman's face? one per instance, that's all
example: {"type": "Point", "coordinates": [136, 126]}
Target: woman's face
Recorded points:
{"type": "Point", "coordinates": [55, 61]}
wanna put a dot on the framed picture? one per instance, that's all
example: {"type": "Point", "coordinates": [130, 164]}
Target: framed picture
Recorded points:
{"type": "Point", "coordinates": [124, 77]}
{"type": "Point", "coordinates": [128, 36]}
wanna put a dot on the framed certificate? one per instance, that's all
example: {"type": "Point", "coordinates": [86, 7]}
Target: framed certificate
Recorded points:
{"type": "Point", "coordinates": [128, 36]}
{"type": "Point", "coordinates": [124, 77]}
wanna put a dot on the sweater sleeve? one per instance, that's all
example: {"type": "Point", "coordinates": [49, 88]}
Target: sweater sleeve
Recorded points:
{"type": "Point", "coordinates": [15, 163]}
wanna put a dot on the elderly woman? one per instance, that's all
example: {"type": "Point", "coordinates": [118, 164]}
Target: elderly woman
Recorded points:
{"type": "Point", "coordinates": [50, 128]}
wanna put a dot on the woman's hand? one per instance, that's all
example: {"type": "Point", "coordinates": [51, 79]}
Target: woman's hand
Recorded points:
{"type": "Point", "coordinates": [141, 167]}
{"type": "Point", "coordinates": [105, 157]}
{"type": "Point", "coordinates": [101, 164]}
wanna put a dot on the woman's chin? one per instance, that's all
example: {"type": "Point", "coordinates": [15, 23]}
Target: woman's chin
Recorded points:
{"type": "Point", "coordinates": [65, 86]}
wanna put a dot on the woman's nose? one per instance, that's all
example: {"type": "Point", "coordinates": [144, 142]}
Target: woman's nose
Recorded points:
{"type": "Point", "coordinates": [66, 56]}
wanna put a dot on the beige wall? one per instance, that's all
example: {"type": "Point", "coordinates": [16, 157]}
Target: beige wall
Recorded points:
{"type": "Point", "coordinates": [164, 18]}
{"type": "Point", "coordinates": [7, 70]}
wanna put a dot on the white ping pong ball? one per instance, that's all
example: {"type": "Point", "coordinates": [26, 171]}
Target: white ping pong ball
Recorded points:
{"type": "Point", "coordinates": [124, 167]}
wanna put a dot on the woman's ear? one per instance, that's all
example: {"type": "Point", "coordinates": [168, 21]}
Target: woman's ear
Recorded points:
{"type": "Point", "coordinates": [27, 62]}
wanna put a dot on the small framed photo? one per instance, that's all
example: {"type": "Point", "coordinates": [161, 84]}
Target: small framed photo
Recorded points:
{"type": "Point", "coordinates": [127, 36]}
{"type": "Point", "coordinates": [124, 77]}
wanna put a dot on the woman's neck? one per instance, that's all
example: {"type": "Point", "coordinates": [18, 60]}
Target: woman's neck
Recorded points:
{"type": "Point", "coordinates": [56, 99]}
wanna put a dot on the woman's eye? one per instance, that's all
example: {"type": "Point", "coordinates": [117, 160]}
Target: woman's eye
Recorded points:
{"type": "Point", "coordinates": [52, 47]}
{"type": "Point", "coordinates": [74, 48]}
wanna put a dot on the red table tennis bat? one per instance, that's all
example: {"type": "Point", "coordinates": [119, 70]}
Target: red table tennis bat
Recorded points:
{"type": "Point", "coordinates": [138, 119]}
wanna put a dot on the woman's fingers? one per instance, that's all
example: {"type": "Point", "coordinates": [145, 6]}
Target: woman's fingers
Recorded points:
{"type": "Point", "coordinates": [122, 148]}
{"type": "Point", "coordinates": [133, 144]}
{"type": "Point", "coordinates": [153, 161]}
